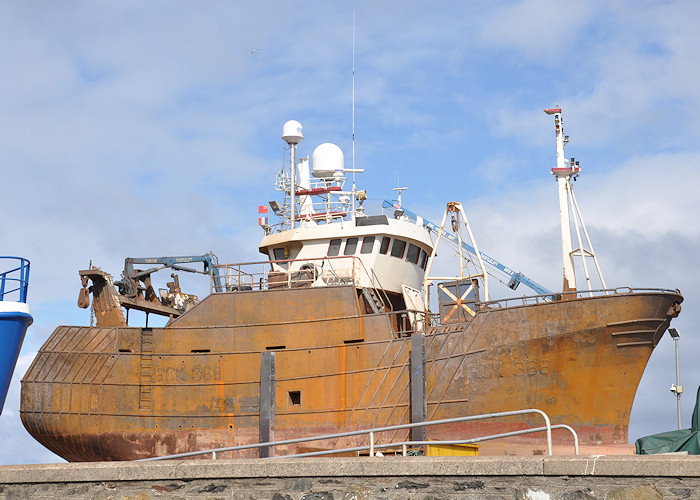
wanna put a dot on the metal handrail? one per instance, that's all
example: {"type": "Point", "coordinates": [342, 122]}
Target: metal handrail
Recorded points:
{"type": "Point", "coordinates": [575, 294]}
{"type": "Point", "coordinates": [548, 428]}
{"type": "Point", "coordinates": [404, 444]}
{"type": "Point", "coordinates": [17, 277]}
{"type": "Point", "coordinates": [236, 271]}
{"type": "Point", "coordinates": [378, 285]}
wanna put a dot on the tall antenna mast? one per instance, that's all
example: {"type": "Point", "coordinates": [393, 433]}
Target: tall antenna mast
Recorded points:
{"type": "Point", "coordinates": [400, 190]}
{"type": "Point", "coordinates": [353, 112]}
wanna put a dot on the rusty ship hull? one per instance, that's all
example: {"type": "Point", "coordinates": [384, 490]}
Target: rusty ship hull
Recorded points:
{"type": "Point", "coordinates": [122, 393]}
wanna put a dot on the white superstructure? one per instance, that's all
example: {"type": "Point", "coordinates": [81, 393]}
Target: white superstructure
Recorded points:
{"type": "Point", "coordinates": [320, 232]}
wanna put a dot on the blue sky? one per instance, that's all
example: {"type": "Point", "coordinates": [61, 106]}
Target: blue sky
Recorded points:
{"type": "Point", "coordinates": [143, 129]}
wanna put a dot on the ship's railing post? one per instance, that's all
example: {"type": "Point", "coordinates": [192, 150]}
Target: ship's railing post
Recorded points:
{"type": "Point", "coordinates": [549, 430]}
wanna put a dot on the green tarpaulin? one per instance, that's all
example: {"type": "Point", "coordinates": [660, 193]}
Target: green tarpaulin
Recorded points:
{"type": "Point", "coordinates": [672, 441]}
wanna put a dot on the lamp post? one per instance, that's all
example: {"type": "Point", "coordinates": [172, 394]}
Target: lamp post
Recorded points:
{"type": "Point", "coordinates": [677, 388]}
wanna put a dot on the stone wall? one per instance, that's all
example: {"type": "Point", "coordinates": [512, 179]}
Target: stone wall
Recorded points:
{"type": "Point", "coordinates": [519, 478]}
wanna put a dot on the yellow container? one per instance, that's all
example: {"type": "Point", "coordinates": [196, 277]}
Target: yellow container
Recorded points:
{"type": "Point", "coordinates": [452, 450]}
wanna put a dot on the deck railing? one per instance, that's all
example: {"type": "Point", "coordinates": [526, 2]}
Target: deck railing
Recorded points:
{"type": "Point", "coordinates": [372, 446]}
{"type": "Point", "coordinates": [268, 274]}
{"type": "Point", "coordinates": [576, 294]}
{"type": "Point", "coordinates": [15, 280]}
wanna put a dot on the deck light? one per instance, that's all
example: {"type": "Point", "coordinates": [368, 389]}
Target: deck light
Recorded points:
{"type": "Point", "coordinates": [677, 388]}
{"type": "Point", "coordinates": [275, 207]}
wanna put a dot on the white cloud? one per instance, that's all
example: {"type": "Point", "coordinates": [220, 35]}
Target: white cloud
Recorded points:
{"type": "Point", "coordinates": [535, 28]}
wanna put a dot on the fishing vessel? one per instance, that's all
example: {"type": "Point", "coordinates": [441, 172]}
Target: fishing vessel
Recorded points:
{"type": "Point", "coordinates": [15, 317]}
{"type": "Point", "coordinates": [333, 332]}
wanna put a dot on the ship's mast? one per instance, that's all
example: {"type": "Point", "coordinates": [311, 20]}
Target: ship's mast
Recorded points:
{"type": "Point", "coordinates": [566, 172]}
{"type": "Point", "coordinates": [563, 171]}
{"type": "Point", "coordinates": [292, 134]}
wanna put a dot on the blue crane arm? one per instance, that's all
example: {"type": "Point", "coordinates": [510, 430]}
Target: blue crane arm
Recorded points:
{"type": "Point", "coordinates": [515, 277]}
{"type": "Point", "coordinates": [175, 263]}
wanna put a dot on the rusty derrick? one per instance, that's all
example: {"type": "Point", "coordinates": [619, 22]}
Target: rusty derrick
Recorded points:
{"type": "Point", "coordinates": [114, 392]}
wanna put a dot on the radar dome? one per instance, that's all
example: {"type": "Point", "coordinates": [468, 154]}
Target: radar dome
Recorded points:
{"type": "Point", "coordinates": [292, 132]}
{"type": "Point", "coordinates": [327, 160]}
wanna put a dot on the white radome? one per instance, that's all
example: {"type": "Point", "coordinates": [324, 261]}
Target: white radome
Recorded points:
{"type": "Point", "coordinates": [292, 132]}
{"type": "Point", "coordinates": [327, 160]}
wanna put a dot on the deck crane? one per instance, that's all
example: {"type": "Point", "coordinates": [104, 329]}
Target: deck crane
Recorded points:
{"type": "Point", "coordinates": [135, 290]}
{"type": "Point", "coordinates": [515, 277]}
{"type": "Point", "coordinates": [131, 276]}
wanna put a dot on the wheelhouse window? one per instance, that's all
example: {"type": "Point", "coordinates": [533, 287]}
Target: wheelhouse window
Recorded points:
{"type": "Point", "coordinates": [398, 248]}
{"type": "Point", "coordinates": [334, 248]}
{"type": "Point", "coordinates": [423, 259]}
{"type": "Point", "coordinates": [350, 246]}
{"type": "Point", "coordinates": [367, 244]}
{"type": "Point", "coordinates": [384, 247]}
{"type": "Point", "coordinates": [413, 253]}
{"type": "Point", "coordinates": [278, 253]}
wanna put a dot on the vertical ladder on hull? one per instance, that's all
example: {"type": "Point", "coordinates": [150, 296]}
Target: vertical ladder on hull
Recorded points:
{"type": "Point", "coordinates": [146, 369]}
{"type": "Point", "coordinates": [373, 299]}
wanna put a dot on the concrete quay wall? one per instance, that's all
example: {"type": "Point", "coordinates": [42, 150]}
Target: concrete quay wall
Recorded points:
{"type": "Point", "coordinates": [425, 478]}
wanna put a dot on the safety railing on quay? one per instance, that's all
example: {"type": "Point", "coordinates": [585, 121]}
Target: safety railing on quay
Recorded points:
{"type": "Point", "coordinates": [406, 444]}
{"type": "Point", "coordinates": [372, 446]}
{"type": "Point", "coordinates": [14, 280]}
